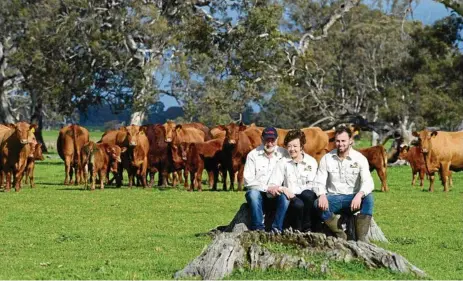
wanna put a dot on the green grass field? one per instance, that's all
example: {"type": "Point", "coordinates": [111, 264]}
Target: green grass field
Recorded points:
{"type": "Point", "coordinates": [64, 232]}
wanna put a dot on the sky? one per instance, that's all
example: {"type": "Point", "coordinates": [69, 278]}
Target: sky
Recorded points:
{"type": "Point", "coordinates": [427, 11]}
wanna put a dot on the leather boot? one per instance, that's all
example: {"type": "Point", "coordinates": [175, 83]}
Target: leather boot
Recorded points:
{"type": "Point", "coordinates": [362, 225]}
{"type": "Point", "coordinates": [332, 224]}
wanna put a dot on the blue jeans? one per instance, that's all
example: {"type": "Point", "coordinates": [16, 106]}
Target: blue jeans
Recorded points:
{"type": "Point", "coordinates": [341, 203]}
{"type": "Point", "coordinates": [256, 200]}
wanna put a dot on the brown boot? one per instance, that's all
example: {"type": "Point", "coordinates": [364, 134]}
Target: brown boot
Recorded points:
{"type": "Point", "coordinates": [362, 225]}
{"type": "Point", "coordinates": [332, 223]}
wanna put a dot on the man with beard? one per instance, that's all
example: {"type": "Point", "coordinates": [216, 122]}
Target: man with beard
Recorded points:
{"type": "Point", "coordinates": [260, 163]}
{"type": "Point", "coordinates": [344, 184]}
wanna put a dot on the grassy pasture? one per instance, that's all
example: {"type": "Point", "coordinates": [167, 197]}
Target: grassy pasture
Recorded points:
{"type": "Point", "coordinates": [63, 232]}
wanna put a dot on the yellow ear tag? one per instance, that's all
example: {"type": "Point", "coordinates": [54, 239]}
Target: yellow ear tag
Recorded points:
{"type": "Point", "coordinates": [33, 130]}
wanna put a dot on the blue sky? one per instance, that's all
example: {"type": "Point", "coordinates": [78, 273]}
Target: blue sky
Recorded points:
{"type": "Point", "coordinates": [427, 11]}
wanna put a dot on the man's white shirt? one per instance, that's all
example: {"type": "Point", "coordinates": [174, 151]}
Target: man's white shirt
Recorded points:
{"type": "Point", "coordinates": [259, 167]}
{"type": "Point", "coordinates": [297, 177]}
{"type": "Point", "coordinates": [347, 176]}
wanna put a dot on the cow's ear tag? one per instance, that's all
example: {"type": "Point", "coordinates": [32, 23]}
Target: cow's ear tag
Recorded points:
{"type": "Point", "coordinates": [33, 130]}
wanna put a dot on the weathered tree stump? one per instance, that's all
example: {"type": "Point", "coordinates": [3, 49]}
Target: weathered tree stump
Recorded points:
{"type": "Point", "coordinates": [241, 248]}
{"type": "Point", "coordinates": [236, 247]}
{"type": "Point", "coordinates": [242, 216]}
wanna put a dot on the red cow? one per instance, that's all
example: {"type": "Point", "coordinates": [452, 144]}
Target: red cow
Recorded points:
{"type": "Point", "coordinates": [442, 152]}
{"type": "Point", "coordinates": [15, 149]}
{"type": "Point", "coordinates": [138, 157]}
{"type": "Point", "coordinates": [236, 147]}
{"type": "Point", "coordinates": [158, 154]}
{"type": "Point", "coordinates": [414, 156]}
{"type": "Point", "coordinates": [200, 155]}
{"type": "Point", "coordinates": [35, 154]}
{"type": "Point", "coordinates": [377, 159]}
{"type": "Point", "coordinates": [70, 141]}
{"type": "Point", "coordinates": [100, 159]}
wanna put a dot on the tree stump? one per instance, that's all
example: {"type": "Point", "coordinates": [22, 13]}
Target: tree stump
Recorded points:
{"type": "Point", "coordinates": [374, 234]}
{"type": "Point", "coordinates": [235, 247]}
{"type": "Point", "coordinates": [241, 248]}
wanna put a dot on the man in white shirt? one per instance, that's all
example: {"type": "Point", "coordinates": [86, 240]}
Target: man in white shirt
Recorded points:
{"type": "Point", "coordinates": [260, 163]}
{"type": "Point", "coordinates": [344, 182]}
{"type": "Point", "coordinates": [295, 176]}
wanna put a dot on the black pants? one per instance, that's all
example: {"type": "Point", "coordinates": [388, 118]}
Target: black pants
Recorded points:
{"type": "Point", "coordinates": [301, 214]}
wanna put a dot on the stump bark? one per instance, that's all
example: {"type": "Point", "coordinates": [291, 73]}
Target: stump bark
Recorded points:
{"type": "Point", "coordinates": [235, 247]}
{"type": "Point", "coordinates": [241, 248]}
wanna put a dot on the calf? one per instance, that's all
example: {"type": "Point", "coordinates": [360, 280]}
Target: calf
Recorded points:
{"type": "Point", "coordinates": [377, 159]}
{"type": "Point", "coordinates": [36, 154]}
{"type": "Point", "coordinates": [198, 156]}
{"type": "Point", "coordinates": [99, 159]}
{"type": "Point", "coordinates": [414, 156]}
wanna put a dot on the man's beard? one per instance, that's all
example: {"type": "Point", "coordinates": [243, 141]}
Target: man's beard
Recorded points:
{"type": "Point", "coordinates": [269, 149]}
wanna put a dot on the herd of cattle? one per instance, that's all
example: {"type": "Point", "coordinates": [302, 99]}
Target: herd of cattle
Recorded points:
{"type": "Point", "coordinates": [168, 149]}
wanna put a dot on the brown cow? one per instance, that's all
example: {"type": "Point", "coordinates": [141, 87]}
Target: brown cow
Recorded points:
{"type": "Point", "coordinates": [70, 141]}
{"type": "Point", "coordinates": [122, 138]}
{"type": "Point", "coordinates": [138, 157]}
{"type": "Point", "coordinates": [100, 159]}
{"type": "Point", "coordinates": [236, 147]}
{"type": "Point", "coordinates": [14, 150]}
{"type": "Point", "coordinates": [175, 136]}
{"type": "Point", "coordinates": [317, 142]}
{"type": "Point", "coordinates": [377, 159]}
{"type": "Point", "coordinates": [200, 155]}
{"type": "Point", "coordinates": [158, 155]}
{"type": "Point", "coordinates": [442, 152]}
{"type": "Point", "coordinates": [35, 154]}
{"type": "Point", "coordinates": [414, 156]}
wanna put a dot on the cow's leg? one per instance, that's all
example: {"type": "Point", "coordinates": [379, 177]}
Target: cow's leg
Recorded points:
{"type": "Point", "coordinates": [240, 178]}
{"type": "Point", "coordinates": [67, 169]}
{"type": "Point", "coordinates": [185, 175]}
{"type": "Point", "coordinates": [413, 177]}
{"type": "Point", "coordinates": [30, 172]}
{"type": "Point", "coordinates": [1, 178]}
{"type": "Point", "coordinates": [94, 172]}
{"type": "Point", "coordinates": [102, 178]}
{"type": "Point", "coordinates": [8, 180]}
{"type": "Point", "coordinates": [232, 176]}
{"type": "Point", "coordinates": [192, 181]}
{"type": "Point", "coordinates": [382, 174]}
{"type": "Point", "coordinates": [215, 180]}
{"type": "Point", "coordinates": [445, 168]}
{"type": "Point", "coordinates": [27, 172]}
{"type": "Point", "coordinates": [432, 177]}
{"type": "Point", "coordinates": [224, 179]}
{"type": "Point", "coordinates": [199, 176]}
{"type": "Point", "coordinates": [180, 178]}
{"type": "Point", "coordinates": [421, 174]}
{"type": "Point", "coordinates": [450, 179]}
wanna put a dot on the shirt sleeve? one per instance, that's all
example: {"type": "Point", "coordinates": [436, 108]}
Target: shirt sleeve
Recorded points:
{"type": "Point", "coordinates": [319, 183]}
{"type": "Point", "coordinates": [278, 174]}
{"type": "Point", "coordinates": [366, 180]}
{"type": "Point", "coordinates": [250, 179]}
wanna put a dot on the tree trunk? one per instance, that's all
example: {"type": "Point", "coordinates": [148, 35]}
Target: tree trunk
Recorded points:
{"type": "Point", "coordinates": [243, 249]}
{"type": "Point", "coordinates": [137, 118]}
{"type": "Point", "coordinates": [37, 118]}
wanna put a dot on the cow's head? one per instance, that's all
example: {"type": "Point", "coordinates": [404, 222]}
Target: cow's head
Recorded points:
{"type": "Point", "coordinates": [132, 131]}
{"type": "Point", "coordinates": [114, 152]}
{"type": "Point", "coordinates": [170, 127]}
{"type": "Point", "coordinates": [232, 132]}
{"type": "Point", "coordinates": [24, 131]}
{"type": "Point", "coordinates": [135, 137]}
{"type": "Point", "coordinates": [424, 138]}
{"type": "Point", "coordinates": [184, 148]}
{"type": "Point", "coordinates": [403, 152]}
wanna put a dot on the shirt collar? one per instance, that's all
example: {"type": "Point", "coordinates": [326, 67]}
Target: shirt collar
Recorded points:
{"type": "Point", "coordinates": [304, 159]}
{"type": "Point", "coordinates": [348, 157]}
{"type": "Point", "coordinates": [261, 151]}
